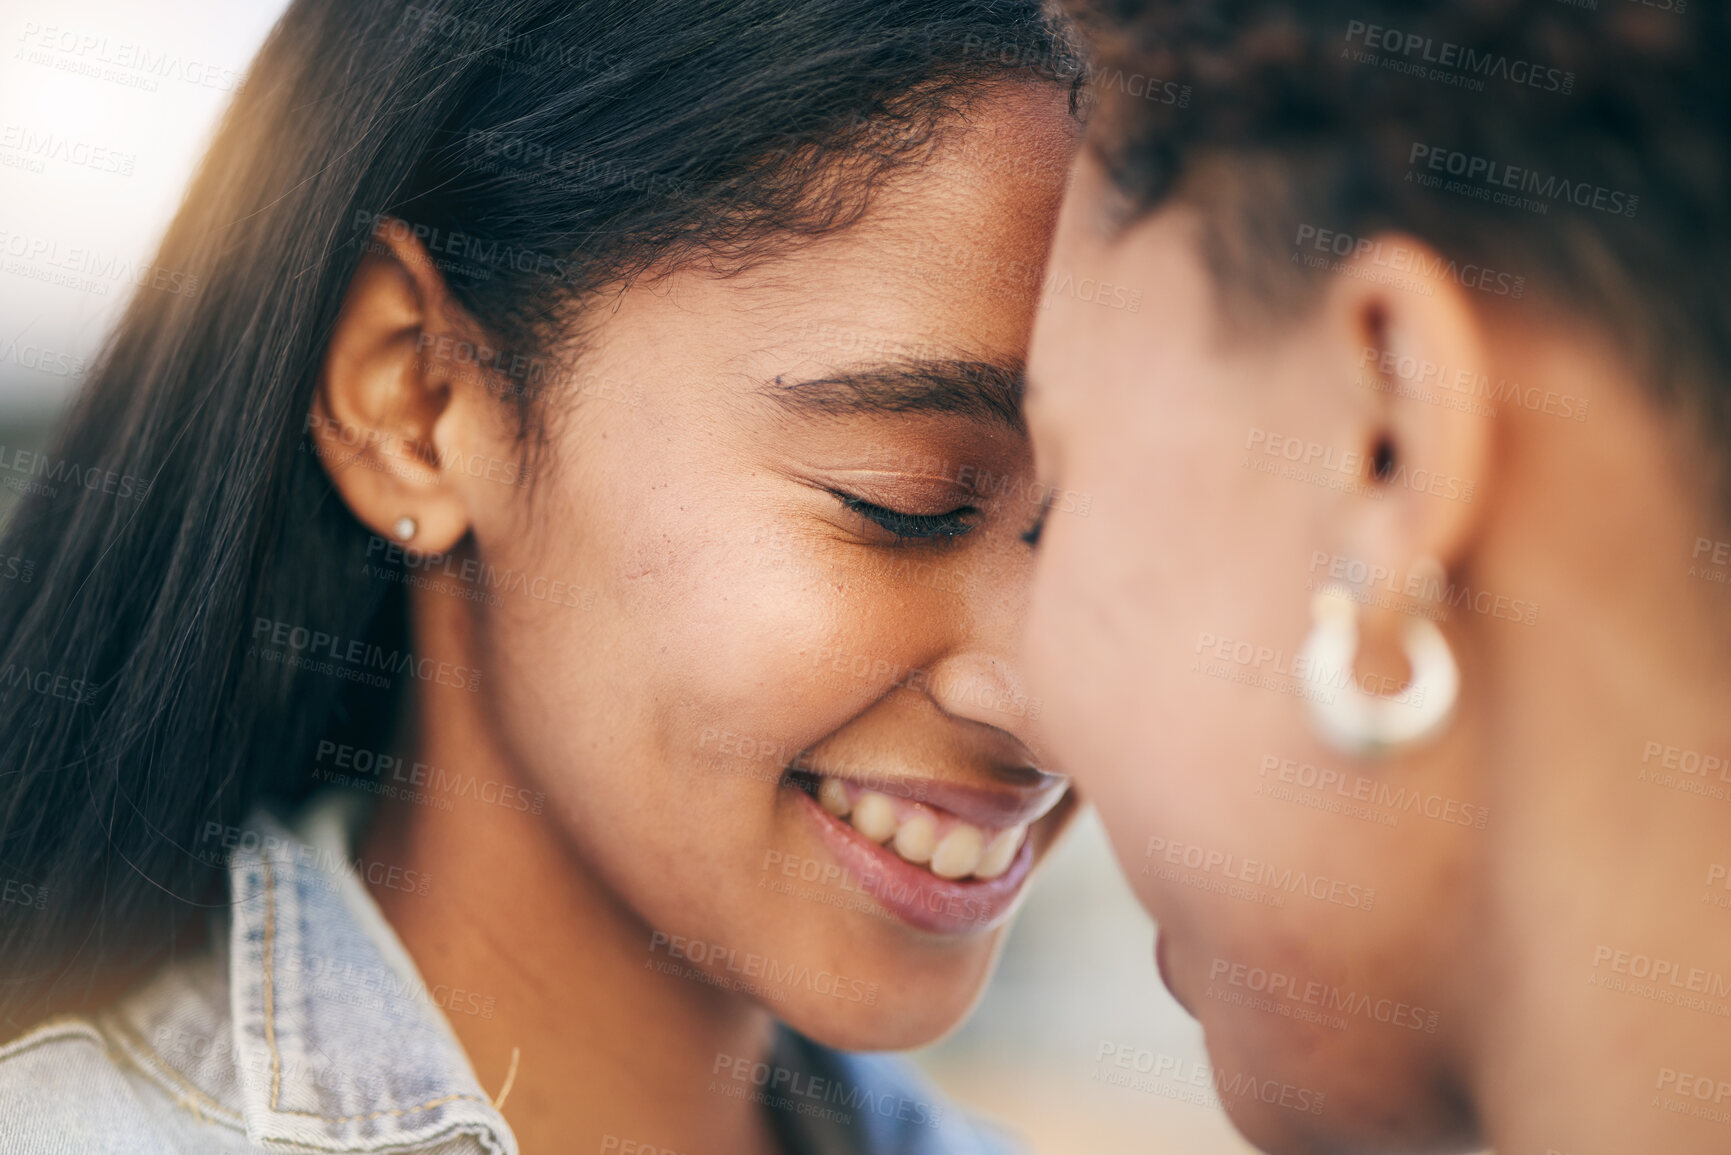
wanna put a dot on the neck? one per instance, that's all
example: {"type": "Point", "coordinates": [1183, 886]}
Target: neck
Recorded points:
{"type": "Point", "coordinates": [542, 959]}
{"type": "Point", "coordinates": [1611, 969]}
{"type": "Point", "coordinates": [1608, 988]}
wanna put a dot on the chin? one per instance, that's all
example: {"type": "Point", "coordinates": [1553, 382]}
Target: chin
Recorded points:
{"type": "Point", "coordinates": [1270, 1130]}
{"type": "Point", "coordinates": [1309, 1102]}
{"type": "Point", "coordinates": [915, 1014]}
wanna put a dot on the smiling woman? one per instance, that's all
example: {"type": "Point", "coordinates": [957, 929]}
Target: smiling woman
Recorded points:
{"type": "Point", "coordinates": [504, 471]}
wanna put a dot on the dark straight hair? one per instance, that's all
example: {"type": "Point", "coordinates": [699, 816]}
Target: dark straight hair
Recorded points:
{"type": "Point", "coordinates": [542, 150]}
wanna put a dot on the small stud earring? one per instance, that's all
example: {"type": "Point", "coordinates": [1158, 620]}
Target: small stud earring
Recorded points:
{"type": "Point", "coordinates": [405, 528]}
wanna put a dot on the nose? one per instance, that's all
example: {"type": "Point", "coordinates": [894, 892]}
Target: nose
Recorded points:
{"type": "Point", "coordinates": [980, 677]}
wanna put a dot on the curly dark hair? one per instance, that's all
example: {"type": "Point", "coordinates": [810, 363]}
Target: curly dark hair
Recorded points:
{"type": "Point", "coordinates": [1577, 150]}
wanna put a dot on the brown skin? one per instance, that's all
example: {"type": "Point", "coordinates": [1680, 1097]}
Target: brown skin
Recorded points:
{"type": "Point", "coordinates": [1494, 929]}
{"type": "Point", "coordinates": [714, 567]}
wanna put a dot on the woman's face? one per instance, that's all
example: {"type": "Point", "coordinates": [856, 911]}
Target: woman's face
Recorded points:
{"type": "Point", "coordinates": [1312, 907]}
{"type": "Point", "coordinates": [787, 509]}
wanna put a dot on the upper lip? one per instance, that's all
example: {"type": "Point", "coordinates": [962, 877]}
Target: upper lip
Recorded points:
{"type": "Point", "coordinates": [992, 807]}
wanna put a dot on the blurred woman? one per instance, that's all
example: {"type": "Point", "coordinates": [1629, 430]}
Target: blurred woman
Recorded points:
{"type": "Point", "coordinates": [1392, 646]}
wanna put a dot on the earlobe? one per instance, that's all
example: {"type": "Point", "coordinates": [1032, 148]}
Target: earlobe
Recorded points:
{"type": "Point", "coordinates": [381, 411]}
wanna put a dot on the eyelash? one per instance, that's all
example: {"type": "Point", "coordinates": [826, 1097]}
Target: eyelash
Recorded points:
{"type": "Point", "coordinates": [913, 527]}
{"type": "Point", "coordinates": [1031, 535]}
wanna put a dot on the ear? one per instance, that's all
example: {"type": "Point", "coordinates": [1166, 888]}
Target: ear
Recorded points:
{"type": "Point", "coordinates": [1404, 345]}
{"type": "Point", "coordinates": [383, 419]}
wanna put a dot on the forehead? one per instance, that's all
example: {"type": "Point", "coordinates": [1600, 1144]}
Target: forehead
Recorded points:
{"type": "Point", "coordinates": [947, 260]}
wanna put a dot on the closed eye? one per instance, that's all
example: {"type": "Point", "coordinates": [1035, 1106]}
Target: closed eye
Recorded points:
{"type": "Point", "coordinates": [1031, 535]}
{"type": "Point", "coordinates": [911, 527]}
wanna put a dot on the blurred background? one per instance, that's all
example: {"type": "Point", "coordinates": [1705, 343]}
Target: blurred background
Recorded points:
{"type": "Point", "coordinates": [93, 160]}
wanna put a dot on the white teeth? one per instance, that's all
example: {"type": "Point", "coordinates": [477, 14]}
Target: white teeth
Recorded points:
{"type": "Point", "coordinates": [965, 850]}
{"type": "Point", "coordinates": [916, 838]}
{"type": "Point", "coordinates": [959, 852]}
{"type": "Point", "coordinates": [832, 796]}
{"type": "Point", "coordinates": [1000, 852]}
{"type": "Point", "coordinates": [874, 816]}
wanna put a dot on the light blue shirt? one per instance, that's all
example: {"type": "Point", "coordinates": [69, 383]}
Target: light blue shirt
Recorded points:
{"type": "Point", "coordinates": [306, 1027]}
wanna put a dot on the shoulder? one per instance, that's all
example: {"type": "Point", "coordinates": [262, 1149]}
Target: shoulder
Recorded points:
{"type": "Point", "coordinates": [63, 1088]}
{"type": "Point", "coordinates": [105, 1083]}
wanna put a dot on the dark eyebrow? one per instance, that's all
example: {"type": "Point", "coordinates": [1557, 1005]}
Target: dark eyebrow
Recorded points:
{"type": "Point", "coordinates": [981, 390]}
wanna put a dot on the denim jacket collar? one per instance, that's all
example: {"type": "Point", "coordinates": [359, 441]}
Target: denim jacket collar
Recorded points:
{"type": "Point", "coordinates": [339, 1044]}
{"type": "Point", "coordinates": [340, 1047]}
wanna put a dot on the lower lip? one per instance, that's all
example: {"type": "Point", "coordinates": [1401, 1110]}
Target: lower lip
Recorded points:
{"type": "Point", "coordinates": [914, 894]}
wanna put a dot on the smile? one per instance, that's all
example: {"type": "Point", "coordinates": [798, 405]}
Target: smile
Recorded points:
{"type": "Point", "coordinates": [939, 841]}
{"type": "Point", "coordinates": [943, 857]}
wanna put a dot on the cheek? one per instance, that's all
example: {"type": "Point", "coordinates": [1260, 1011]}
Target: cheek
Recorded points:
{"type": "Point", "coordinates": [715, 646]}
